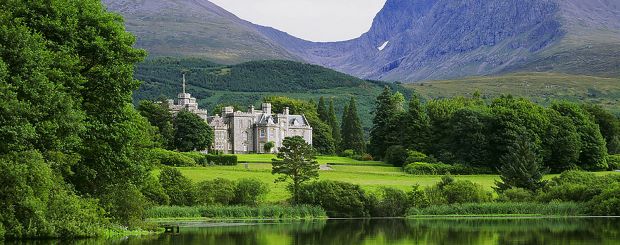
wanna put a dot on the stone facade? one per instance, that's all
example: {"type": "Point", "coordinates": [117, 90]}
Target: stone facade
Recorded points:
{"type": "Point", "coordinates": [239, 132]}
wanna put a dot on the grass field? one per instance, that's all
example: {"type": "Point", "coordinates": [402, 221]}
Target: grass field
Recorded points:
{"type": "Point", "coordinates": [539, 87]}
{"type": "Point", "coordinates": [371, 178]}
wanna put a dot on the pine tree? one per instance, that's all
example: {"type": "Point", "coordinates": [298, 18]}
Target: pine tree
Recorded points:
{"type": "Point", "coordinates": [333, 122]}
{"type": "Point", "coordinates": [521, 167]}
{"type": "Point", "coordinates": [344, 129]}
{"type": "Point", "coordinates": [322, 110]}
{"type": "Point", "coordinates": [352, 132]}
{"type": "Point", "coordinates": [416, 126]}
{"type": "Point", "coordinates": [384, 132]}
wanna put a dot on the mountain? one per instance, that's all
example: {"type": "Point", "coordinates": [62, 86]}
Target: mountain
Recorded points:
{"type": "Point", "coordinates": [195, 28]}
{"type": "Point", "coordinates": [414, 40]}
{"type": "Point", "coordinates": [409, 41]}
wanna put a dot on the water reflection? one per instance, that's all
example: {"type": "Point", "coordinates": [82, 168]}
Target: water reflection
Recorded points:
{"type": "Point", "coordinates": [389, 231]}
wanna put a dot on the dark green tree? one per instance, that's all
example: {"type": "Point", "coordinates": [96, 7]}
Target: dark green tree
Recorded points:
{"type": "Point", "coordinates": [521, 167]}
{"type": "Point", "coordinates": [352, 132]}
{"type": "Point", "coordinates": [296, 161]}
{"type": "Point", "coordinates": [333, 123]}
{"type": "Point", "coordinates": [469, 137]}
{"type": "Point", "coordinates": [609, 126]}
{"type": "Point", "coordinates": [382, 134]}
{"type": "Point", "coordinates": [159, 116]}
{"type": "Point", "coordinates": [593, 155]}
{"type": "Point", "coordinates": [267, 147]}
{"type": "Point", "coordinates": [191, 133]}
{"type": "Point", "coordinates": [414, 126]}
{"type": "Point", "coordinates": [322, 110]}
{"type": "Point", "coordinates": [179, 188]}
{"type": "Point", "coordinates": [345, 113]}
{"type": "Point", "coordinates": [561, 143]}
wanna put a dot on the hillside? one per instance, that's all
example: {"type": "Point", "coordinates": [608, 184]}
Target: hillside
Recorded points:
{"type": "Point", "coordinates": [248, 83]}
{"type": "Point", "coordinates": [195, 28]}
{"type": "Point", "coordinates": [542, 88]}
{"type": "Point", "coordinates": [444, 39]}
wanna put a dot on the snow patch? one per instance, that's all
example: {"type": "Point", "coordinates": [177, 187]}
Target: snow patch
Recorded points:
{"type": "Point", "coordinates": [382, 47]}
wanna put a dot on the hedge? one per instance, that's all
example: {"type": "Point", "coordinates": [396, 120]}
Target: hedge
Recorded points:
{"type": "Point", "coordinates": [171, 158]}
{"type": "Point", "coordinates": [225, 160]}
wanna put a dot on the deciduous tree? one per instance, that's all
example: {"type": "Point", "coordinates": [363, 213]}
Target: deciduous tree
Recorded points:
{"type": "Point", "coordinates": [296, 161]}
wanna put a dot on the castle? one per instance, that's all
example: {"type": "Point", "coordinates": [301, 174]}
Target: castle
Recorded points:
{"type": "Point", "coordinates": [239, 132]}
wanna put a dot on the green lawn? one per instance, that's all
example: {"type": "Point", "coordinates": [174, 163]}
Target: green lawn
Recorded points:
{"type": "Point", "coordinates": [371, 178]}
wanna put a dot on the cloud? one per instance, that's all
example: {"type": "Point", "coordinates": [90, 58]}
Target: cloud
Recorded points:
{"type": "Point", "coordinates": [315, 20]}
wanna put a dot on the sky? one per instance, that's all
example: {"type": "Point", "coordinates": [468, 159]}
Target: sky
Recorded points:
{"type": "Point", "coordinates": [314, 20]}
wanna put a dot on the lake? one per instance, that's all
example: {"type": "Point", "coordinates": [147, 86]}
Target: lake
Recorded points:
{"type": "Point", "coordinates": [388, 231]}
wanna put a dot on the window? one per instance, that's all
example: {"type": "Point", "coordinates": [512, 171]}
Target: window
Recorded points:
{"type": "Point", "coordinates": [262, 133]}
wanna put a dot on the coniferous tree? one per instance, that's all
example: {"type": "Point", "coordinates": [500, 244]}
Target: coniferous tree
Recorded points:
{"type": "Point", "coordinates": [352, 133]}
{"type": "Point", "coordinates": [343, 129]}
{"type": "Point", "coordinates": [296, 161]}
{"type": "Point", "coordinates": [521, 167]}
{"type": "Point", "coordinates": [416, 126]}
{"type": "Point", "coordinates": [322, 110]}
{"type": "Point", "coordinates": [382, 133]}
{"type": "Point", "coordinates": [333, 122]}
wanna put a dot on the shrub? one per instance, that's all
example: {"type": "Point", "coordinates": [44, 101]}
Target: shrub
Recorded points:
{"type": "Point", "coordinates": [154, 191]}
{"type": "Point", "coordinates": [1, 230]}
{"type": "Point", "coordinates": [339, 199]}
{"type": "Point", "coordinates": [508, 208]}
{"type": "Point", "coordinates": [238, 212]}
{"type": "Point", "coordinates": [614, 162]}
{"type": "Point", "coordinates": [418, 198]}
{"type": "Point", "coordinates": [396, 155]}
{"type": "Point", "coordinates": [217, 191]}
{"type": "Point", "coordinates": [35, 202]}
{"type": "Point", "coordinates": [391, 203]}
{"type": "Point", "coordinates": [179, 188]}
{"type": "Point", "coordinates": [199, 158]}
{"type": "Point", "coordinates": [250, 191]}
{"type": "Point", "coordinates": [348, 153]}
{"type": "Point", "coordinates": [422, 168]}
{"type": "Point", "coordinates": [224, 160]}
{"type": "Point", "coordinates": [576, 186]}
{"type": "Point", "coordinates": [126, 204]}
{"type": "Point", "coordinates": [364, 157]}
{"type": "Point", "coordinates": [606, 203]}
{"type": "Point", "coordinates": [171, 158]}
{"type": "Point", "coordinates": [516, 195]}
{"type": "Point", "coordinates": [464, 191]}
{"type": "Point", "coordinates": [416, 156]}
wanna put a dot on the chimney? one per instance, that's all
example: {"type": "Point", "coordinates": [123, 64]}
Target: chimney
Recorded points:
{"type": "Point", "coordinates": [285, 110]}
{"type": "Point", "coordinates": [251, 109]}
{"type": "Point", "coordinates": [266, 108]}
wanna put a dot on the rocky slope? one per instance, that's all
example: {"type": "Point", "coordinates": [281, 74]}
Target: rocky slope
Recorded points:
{"type": "Point", "coordinates": [413, 40]}
{"type": "Point", "coordinates": [409, 41]}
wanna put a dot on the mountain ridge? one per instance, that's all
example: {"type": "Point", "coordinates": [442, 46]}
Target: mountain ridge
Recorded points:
{"type": "Point", "coordinates": [409, 40]}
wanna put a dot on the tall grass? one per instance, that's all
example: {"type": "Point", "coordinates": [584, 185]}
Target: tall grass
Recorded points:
{"type": "Point", "coordinates": [238, 212]}
{"type": "Point", "coordinates": [553, 209]}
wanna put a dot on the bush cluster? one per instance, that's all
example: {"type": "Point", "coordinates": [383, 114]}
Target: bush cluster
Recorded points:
{"type": "Point", "coordinates": [423, 168]}
{"type": "Point", "coordinates": [614, 162]}
{"type": "Point", "coordinates": [571, 193]}
{"type": "Point", "coordinates": [236, 212]}
{"type": "Point", "coordinates": [191, 159]}
{"type": "Point", "coordinates": [339, 199]}
{"type": "Point", "coordinates": [224, 160]}
{"type": "Point", "coordinates": [172, 158]}
{"type": "Point", "coordinates": [182, 192]}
